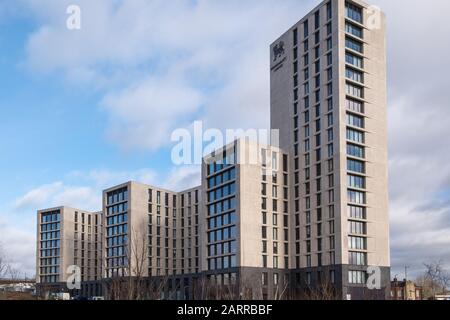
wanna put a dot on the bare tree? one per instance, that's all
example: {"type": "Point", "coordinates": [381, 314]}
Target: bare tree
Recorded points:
{"type": "Point", "coordinates": [134, 283]}
{"type": "Point", "coordinates": [13, 273]}
{"type": "Point", "coordinates": [435, 278]}
{"type": "Point", "coordinates": [323, 291]}
{"type": "Point", "coordinates": [3, 264]}
{"type": "Point", "coordinates": [137, 255]}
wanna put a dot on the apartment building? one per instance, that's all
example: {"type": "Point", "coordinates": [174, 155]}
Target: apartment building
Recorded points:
{"type": "Point", "coordinates": [305, 219]}
{"type": "Point", "coordinates": [152, 233]}
{"type": "Point", "coordinates": [68, 237]}
{"type": "Point", "coordinates": [328, 99]}
{"type": "Point", "coordinates": [246, 225]}
{"type": "Point", "coordinates": [406, 290]}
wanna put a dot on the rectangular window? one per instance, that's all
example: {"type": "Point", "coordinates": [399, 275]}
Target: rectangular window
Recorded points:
{"type": "Point", "coordinates": [356, 227]}
{"type": "Point", "coordinates": [356, 166]}
{"type": "Point", "coordinates": [330, 150]}
{"type": "Point", "coordinates": [355, 136]}
{"type": "Point", "coordinates": [356, 197]}
{"type": "Point", "coordinates": [354, 45]}
{"type": "Point", "coordinates": [357, 277]}
{"type": "Point", "coordinates": [305, 29]}
{"type": "Point", "coordinates": [353, 12]}
{"type": "Point", "coordinates": [355, 91]}
{"type": "Point", "coordinates": [354, 30]}
{"type": "Point", "coordinates": [329, 12]}
{"type": "Point", "coordinates": [354, 75]}
{"type": "Point", "coordinates": [355, 121]}
{"type": "Point", "coordinates": [356, 181]}
{"type": "Point", "coordinates": [353, 60]}
{"type": "Point", "coordinates": [357, 243]}
{"type": "Point", "coordinates": [317, 19]}
{"type": "Point", "coordinates": [357, 258]}
{"type": "Point", "coordinates": [316, 41]}
{"type": "Point", "coordinates": [354, 105]}
{"type": "Point", "coordinates": [356, 212]}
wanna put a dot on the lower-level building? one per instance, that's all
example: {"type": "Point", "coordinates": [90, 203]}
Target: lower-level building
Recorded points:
{"type": "Point", "coordinates": [231, 237]}
{"type": "Point", "coordinates": [405, 290]}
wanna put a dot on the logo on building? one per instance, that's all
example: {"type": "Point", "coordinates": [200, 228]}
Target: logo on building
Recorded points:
{"type": "Point", "coordinates": [278, 51]}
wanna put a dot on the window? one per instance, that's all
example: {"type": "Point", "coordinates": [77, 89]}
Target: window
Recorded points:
{"type": "Point", "coordinates": [264, 232]}
{"type": "Point", "coordinates": [330, 119]}
{"type": "Point", "coordinates": [356, 212]}
{"type": "Point", "coordinates": [357, 277]}
{"type": "Point", "coordinates": [354, 105]}
{"type": "Point", "coordinates": [275, 262]}
{"type": "Point", "coordinates": [316, 41]}
{"type": "Point", "coordinates": [265, 278]}
{"type": "Point", "coordinates": [357, 243]}
{"type": "Point", "coordinates": [353, 90]}
{"type": "Point", "coordinates": [330, 135]}
{"type": "Point", "coordinates": [354, 30]}
{"type": "Point", "coordinates": [317, 81]}
{"type": "Point", "coordinates": [306, 73]}
{"type": "Point", "coordinates": [356, 181]}
{"type": "Point", "coordinates": [353, 60]}
{"type": "Point", "coordinates": [355, 136]}
{"type": "Point", "coordinates": [357, 258]}
{"type": "Point", "coordinates": [356, 197]}
{"type": "Point", "coordinates": [329, 74]}
{"type": "Point", "coordinates": [305, 29]}
{"type": "Point", "coordinates": [329, 12]}
{"type": "Point", "coordinates": [356, 227]}
{"type": "Point", "coordinates": [330, 150]}
{"type": "Point", "coordinates": [354, 75]}
{"type": "Point", "coordinates": [355, 166]}
{"type": "Point", "coordinates": [308, 261]}
{"type": "Point", "coordinates": [355, 121]}
{"type": "Point", "coordinates": [330, 89]}
{"type": "Point", "coordinates": [264, 246]}
{"type": "Point", "coordinates": [354, 45]}
{"type": "Point", "coordinates": [353, 12]}
{"type": "Point", "coordinates": [317, 19]}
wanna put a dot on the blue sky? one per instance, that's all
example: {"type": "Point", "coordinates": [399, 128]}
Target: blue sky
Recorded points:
{"type": "Point", "coordinates": [83, 110]}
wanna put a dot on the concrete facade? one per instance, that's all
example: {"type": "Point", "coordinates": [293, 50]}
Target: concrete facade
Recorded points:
{"type": "Point", "coordinates": [302, 221]}
{"type": "Point", "coordinates": [328, 99]}
{"type": "Point", "coordinates": [68, 237]}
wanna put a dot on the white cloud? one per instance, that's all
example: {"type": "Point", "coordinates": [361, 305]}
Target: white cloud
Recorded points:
{"type": "Point", "coordinates": [102, 179]}
{"type": "Point", "coordinates": [159, 62]}
{"type": "Point", "coordinates": [19, 247]}
{"type": "Point", "coordinates": [77, 189]}
{"type": "Point", "coordinates": [183, 178]}
{"type": "Point", "coordinates": [418, 127]}
{"type": "Point", "coordinates": [57, 194]}
{"type": "Point", "coordinates": [144, 116]}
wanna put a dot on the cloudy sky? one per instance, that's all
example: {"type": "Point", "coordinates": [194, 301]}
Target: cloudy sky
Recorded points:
{"type": "Point", "coordinates": [83, 110]}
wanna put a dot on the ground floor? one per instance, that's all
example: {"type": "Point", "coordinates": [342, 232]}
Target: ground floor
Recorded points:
{"type": "Point", "coordinates": [88, 290]}
{"type": "Point", "coordinates": [324, 283]}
